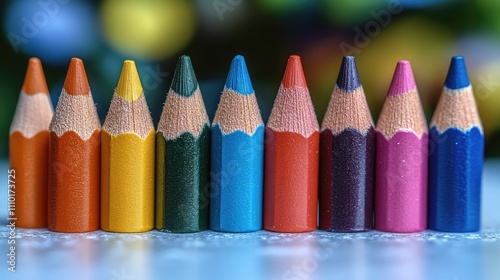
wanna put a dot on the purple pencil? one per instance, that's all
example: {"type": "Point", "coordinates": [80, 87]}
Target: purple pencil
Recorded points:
{"type": "Point", "coordinates": [401, 157]}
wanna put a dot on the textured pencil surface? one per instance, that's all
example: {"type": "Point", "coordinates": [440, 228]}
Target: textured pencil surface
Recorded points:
{"type": "Point", "coordinates": [347, 156]}
{"type": "Point", "coordinates": [182, 156]}
{"type": "Point", "coordinates": [456, 156]}
{"type": "Point", "coordinates": [74, 157]}
{"type": "Point", "coordinates": [291, 156]}
{"type": "Point", "coordinates": [237, 156]}
{"type": "Point", "coordinates": [401, 157]}
{"type": "Point", "coordinates": [127, 158]}
{"type": "Point", "coordinates": [29, 146]}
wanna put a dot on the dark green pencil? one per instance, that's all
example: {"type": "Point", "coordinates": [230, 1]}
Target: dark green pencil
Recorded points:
{"type": "Point", "coordinates": [183, 156]}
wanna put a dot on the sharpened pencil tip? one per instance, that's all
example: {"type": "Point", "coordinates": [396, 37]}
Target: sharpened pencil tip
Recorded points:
{"type": "Point", "coordinates": [348, 79]}
{"type": "Point", "coordinates": [76, 82]}
{"type": "Point", "coordinates": [294, 73]}
{"type": "Point", "coordinates": [457, 77]}
{"type": "Point", "coordinates": [238, 79]}
{"type": "Point", "coordinates": [184, 81]}
{"type": "Point", "coordinates": [403, 80]}
{"type": "Point", "coordinates": [129, 85]}
{"type": "Point", "coordinates": [34, 81]}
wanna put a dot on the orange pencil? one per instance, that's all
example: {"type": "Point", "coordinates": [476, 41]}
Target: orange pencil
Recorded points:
{"type": "Point", "coordinates": [74, 157]}
{"type": "Point", "coordinates": [291, 156]}
{"type": "Point", "coordinates": [29, 146]}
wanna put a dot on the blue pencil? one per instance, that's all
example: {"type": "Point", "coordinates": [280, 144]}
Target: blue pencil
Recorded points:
{"type": "Point", "coordinates": [455, 156]}
{"type": "Point", "coordinates": [237, 156]}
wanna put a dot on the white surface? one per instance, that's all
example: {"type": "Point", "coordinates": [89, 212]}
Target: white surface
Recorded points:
{"type": "Point", "coordinates": [41, 254]}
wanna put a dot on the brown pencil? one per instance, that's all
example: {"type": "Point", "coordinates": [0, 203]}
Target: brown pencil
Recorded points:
{"type": "Point", "coordinates": [74, 157]}
{"type": "Point", "coordinates": [29, 140]}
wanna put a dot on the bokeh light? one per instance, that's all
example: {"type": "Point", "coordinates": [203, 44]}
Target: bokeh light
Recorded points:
{"type": "Point", "coordinates": [148, 29]}
{"type": "Point", "coordinates": [286, 6]}
{"type": "Point", "coordinates": [155, 32]}
{"type": "Point", "coordinates": [347, 12]}
{"type": "Point", "coordinates": [52, 30]}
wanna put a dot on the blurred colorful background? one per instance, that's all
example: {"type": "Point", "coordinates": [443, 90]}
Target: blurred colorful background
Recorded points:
{"type": "Point", "coordinates": [155, 32]}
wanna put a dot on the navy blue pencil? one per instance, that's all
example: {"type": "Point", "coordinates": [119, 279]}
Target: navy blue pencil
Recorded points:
{"type": "Point", "coordinates": [347, 156]}
{"type": "Point", "coordinates": [455, 156]}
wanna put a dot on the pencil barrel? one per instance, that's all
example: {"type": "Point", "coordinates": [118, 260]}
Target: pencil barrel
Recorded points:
{"type": "Point", "coordinates": [29, 159]}
{"type": "Point", "coordinates": [291, 181]}
{"type": "Point", "coordinates": [182, 181]}
{"type": "Point", "coordinates": [401, 182]}
{"type": "Point", "coordinates": [127, 182]}
{"type": "Point", "coordinates": [346, 180]}
{"type": "Point", "coordinates": [237, 180]}
{"type": "Point", "coordinates": [455, 171]}
{"type": "Point", "coordinates": [74, 182]}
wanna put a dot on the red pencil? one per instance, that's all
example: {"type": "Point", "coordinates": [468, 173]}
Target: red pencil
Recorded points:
{"type": "Point", "coordinates": [291, 156]}
{"type": "Point", "coordinates": [74, 157]}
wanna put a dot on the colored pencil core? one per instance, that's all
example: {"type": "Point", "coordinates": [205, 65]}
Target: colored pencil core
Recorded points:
{"type": "Point", "coordinates": [34, 81]}
{"type": "Point", "coordinates": [294, 73]}
{"type": "Point", "coordinates": [129, 85]}
{"type": "Point", "coordinates": [348, 79]}
{"type": "Point", "coordinates": [403, 80]}
{"type": "Point", "coordinates": [76, 82]}
{"type": "Point", "coordinates": [238, 79]}
{"type": "Point", "coordinates": [457, 74]}
{"type": "Point", "coordinates": [184, 81]}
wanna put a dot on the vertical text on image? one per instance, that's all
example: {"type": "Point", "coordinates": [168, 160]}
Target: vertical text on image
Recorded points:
{"type": "Point", "coordinates": [11, 220]}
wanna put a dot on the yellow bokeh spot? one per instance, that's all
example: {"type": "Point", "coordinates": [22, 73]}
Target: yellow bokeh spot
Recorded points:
{"type": "Point", "coordinates": [148, 29]}
{"type": "Point", "coordinates": [487, 93]}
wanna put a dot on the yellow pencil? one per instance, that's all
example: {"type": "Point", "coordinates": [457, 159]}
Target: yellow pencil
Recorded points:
{"type": "Point", "coordinates": [128, 158]}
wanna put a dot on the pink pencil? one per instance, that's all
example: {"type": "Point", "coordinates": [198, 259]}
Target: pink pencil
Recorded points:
{"type": "Point", "coordinates": [401, 157]}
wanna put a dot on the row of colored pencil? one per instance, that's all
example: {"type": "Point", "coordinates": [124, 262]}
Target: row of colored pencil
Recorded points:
{"type": "Point", "coordinates": [238, 174]}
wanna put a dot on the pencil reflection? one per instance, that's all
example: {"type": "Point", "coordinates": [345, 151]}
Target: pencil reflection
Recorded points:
{"type": "Point", "coordinates": [129, 256]}
{"type": "Point", "coordinates": [61, 255]}
{"type": "Point", "coordinates": [399, 258]}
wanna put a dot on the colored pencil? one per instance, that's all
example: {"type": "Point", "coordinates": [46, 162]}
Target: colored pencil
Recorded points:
{"type": "Point", "coordinates": [74, 157]}
{"type": "Point", "coordinates": [347, 156]}
{"type": "Point", "coordinates": [291, 156]}
{"type": "Point", "coordinates": [183, 156]}
{"type": "Point", "coordinates": [401, 157]}
{"type": "Point", "coordinates": [237, 156]}
{"type": "Point", "coordinates": [456, 156]}
{"type": "Point", "coordinates": [29, 148]}
{"type": "Point", "coordinates": [128, 158]}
